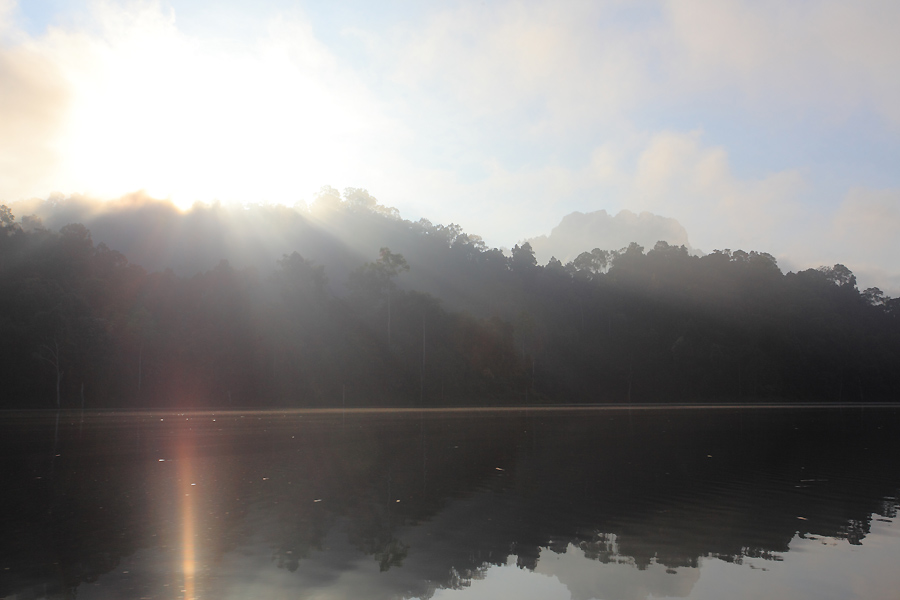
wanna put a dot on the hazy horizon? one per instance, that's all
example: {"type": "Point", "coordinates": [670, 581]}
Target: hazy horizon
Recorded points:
{"type": "Point", "coordinates": [245, 234]}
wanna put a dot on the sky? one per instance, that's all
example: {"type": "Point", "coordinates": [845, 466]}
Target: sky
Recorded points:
{"type": "Point", "coordinates": [757, 124]}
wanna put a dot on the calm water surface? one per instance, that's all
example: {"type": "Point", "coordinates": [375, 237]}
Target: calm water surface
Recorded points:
{"type": "Point", "coordinates": [602, 503]}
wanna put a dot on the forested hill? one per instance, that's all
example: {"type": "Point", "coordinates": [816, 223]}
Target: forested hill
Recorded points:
{"type": "Point", "coordinates": [433, 318]}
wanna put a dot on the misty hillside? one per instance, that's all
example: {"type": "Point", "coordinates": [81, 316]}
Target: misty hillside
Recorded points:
{"type": "Point", "coordinates": [346, 303]}
{"type": "Point", "coordinates": [337, 232]}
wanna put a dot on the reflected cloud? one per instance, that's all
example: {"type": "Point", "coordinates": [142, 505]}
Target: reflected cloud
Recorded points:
{"type": "Point", "coordinates": [618, 579]}
{"type": "Point", "coordinates": [509, 581]}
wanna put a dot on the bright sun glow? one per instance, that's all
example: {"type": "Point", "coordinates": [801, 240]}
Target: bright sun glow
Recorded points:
{"type": "Point", "coordinates": [192, 120]}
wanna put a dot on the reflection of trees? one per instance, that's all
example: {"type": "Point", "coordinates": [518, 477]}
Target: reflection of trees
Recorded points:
{"type": "Point", "coordinates": [301, 539]}
{"type": "Point", "coordinates": [666, 488]}
{"type": "Point", "coordinates": [68, 515]}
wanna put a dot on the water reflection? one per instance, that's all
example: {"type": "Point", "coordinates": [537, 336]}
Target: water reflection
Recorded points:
{"type": "Point", "coordinates": [813, 569]}
{"type": "Point", "coordinates": [603, 504]}
{"type": "Point", "coordinates": [186, 489]}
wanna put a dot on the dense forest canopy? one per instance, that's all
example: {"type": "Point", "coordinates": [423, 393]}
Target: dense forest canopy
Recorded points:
{"type": "Point", "coordinates": [363, 308]}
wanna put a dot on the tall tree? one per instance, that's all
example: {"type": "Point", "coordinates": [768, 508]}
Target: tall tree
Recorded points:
{"type": "Point", "coordinates": [377, 278]}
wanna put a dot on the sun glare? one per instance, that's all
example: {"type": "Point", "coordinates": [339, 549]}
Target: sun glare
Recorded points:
{"type": "Point", "coordinates": [187, 489]}
{"type": "Point", "coordinates": [199, 120]}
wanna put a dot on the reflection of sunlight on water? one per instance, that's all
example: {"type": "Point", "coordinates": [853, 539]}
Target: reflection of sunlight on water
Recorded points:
{"type": "Point", "coordinates": [185, 483]}
{"type": "Point", "coordinates": [241, 557]}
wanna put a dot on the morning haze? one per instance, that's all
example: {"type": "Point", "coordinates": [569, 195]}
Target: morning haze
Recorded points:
{"type": "Point", "coordinates": [346, 301]}
{"type": "Point", "coordinates": [451, 300]}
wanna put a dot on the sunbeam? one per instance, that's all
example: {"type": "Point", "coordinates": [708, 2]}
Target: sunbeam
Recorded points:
{"type": "Point", "coordinates": [187, 489]}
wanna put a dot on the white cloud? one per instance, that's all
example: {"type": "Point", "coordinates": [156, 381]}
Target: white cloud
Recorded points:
{"type": "Point", "coordinates": [832, 57]}
{"type": "Point", "coordinates": [33, 106]}
{"type": "Point", "coordinates": [869, 221]}
{"type": "Point", "coordinates": [540, 73]}
{"type": "Point", "coordinates": [7, 10]}
{"type": "Point", "coordinates": [865, 236]}
{"type": "Point", "coordinates": [672, 174]}
{"type": "Point", "coordinates": [676, 175]}
{"type": "Point", "coordinates": [192, 118]}
{"type": "Point", "coordinates": [504, 206]}
{"type": "Point", "coordinates": [861, 232]}
{"type": "Point", "coordinates": [545, 68]}
{"type": "Point", "coordinates": [560, 68]}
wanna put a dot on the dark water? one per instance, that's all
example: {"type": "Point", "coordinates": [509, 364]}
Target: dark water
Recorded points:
{"type": "Point", "coordinates": [606, 504]}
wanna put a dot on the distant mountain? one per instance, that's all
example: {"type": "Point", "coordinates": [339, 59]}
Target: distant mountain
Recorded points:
{"type": "Point", "coordinates": [579, 232]}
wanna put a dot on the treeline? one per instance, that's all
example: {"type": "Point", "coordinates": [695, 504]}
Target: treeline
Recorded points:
{"type": "Point", "coordinates": [444, 320]}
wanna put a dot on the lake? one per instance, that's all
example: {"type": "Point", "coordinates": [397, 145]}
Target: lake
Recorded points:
{"type": "Point", "coordinates": [605, 503]}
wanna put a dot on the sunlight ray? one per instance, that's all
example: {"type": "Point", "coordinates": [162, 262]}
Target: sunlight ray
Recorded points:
{"type": "Point", "coordinates": [187, 489]}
